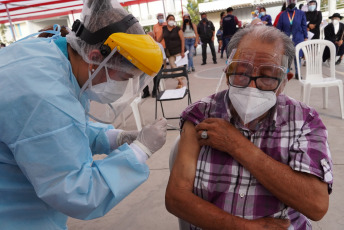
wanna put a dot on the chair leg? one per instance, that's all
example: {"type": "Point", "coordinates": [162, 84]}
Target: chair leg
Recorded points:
{"type": "Point", "coordinates": [135, 107]}
{"type": "Point", "coordinates": [302, 94]}
{"type": "Point", "coordinates": [156, 108]}
{"type": "Point", "coordinates": [162, 109]}
{"type": "Point", "coordinates": [307, 93]}
{"type": "Point", "coordinates": [325, 97]}
{"type": "Point", "coordinates": [340, 91]}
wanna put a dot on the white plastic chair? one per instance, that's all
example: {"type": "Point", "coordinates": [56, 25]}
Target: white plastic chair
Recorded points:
{"type": "Point", "coordinates": [136, 112]}
{"type": "Point", "coordinates": [183, 225]}
{"type": "Point", "coordinates": [313, 51]}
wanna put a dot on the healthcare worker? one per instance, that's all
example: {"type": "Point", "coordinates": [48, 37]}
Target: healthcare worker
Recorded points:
{"type": "Point", "coordinates": [47, 141]}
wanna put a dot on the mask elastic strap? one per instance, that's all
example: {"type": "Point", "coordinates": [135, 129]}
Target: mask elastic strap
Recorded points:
{"type": "Point", "coordinates": [55, 31]}
{"type": "Point", "coordinates": [94, 74]}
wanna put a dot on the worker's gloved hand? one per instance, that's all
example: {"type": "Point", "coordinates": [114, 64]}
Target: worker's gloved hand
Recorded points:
{"type": "Point", "coordinates": [126, 137]}
{"type": "Point", "coordinates": [152, 137]}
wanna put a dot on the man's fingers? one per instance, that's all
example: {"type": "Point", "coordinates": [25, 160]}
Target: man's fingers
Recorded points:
{"type": "Point", "coordinates": [202, 126]}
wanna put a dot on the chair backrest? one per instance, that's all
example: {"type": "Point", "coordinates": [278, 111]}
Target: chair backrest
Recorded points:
{"type": "Point", "coordinates": [174, 72]}
{"type": "Point", "coordinates": [313, 51]}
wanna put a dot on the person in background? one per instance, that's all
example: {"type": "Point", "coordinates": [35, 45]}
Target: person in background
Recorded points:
{"type": "Point", "coordinates": [219, 32]}
{"type": "Point", "coordinates": [250, 157]}
{"type": "Point", "coordinates": [47, 140]}
{"type": "Point", "coordinates": [146, 89]}
{"type": "Point", "coordinates": [300, 6]}
{"type": "Point", "coordinates": [206, 32]}
{"type": "Point", "coordinates": [334, 32]}
{"type": "Point", "coordinates": [314, 19]}
{"type": "Point", "coordinates": [284, 7]}
{"type": "Point", "coordinates": [229, 23]}
{"type": "Point", "coordinates": [266, 18]}
{"type": "Point", "coordinates": [157, 28]}
{"type": "Point", "coordinates": [175, 44]}
{"type": "Point", "coordinates": [304, 7]}
{"type": "Point", "coordinates": [293, 23]}
{"type": "Point", "coordinates": [191, 39]}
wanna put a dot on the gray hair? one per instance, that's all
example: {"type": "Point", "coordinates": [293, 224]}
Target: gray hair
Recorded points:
{"type": "Point", "coordinates": [263, 33]}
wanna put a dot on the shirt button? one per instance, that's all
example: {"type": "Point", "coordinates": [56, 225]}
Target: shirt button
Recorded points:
{"type": "Point", "coordinates": [324, 163]}
{"type": "Point", "coordinates": [242, 195]}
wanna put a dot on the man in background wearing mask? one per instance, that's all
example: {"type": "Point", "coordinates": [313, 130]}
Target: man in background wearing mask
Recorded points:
{"type": "Point", "coordinates": [293, 23]}
{"type": "Point", "coordinates": [229, 24]}
{"type": "Point", "coordinates": [206, 32]}
{"type": "Point", "coordinates": [314, 19]}
{"type": "Point", "coordinates": [157, 28]}
{"type": "Point", "coordinates": [250, 157]}
{"type": "Point", "coordinates": [334, 32]}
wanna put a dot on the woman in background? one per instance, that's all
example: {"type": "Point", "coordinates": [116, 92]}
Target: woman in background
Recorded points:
{"type": "Point", "coordinates": [191, 39]}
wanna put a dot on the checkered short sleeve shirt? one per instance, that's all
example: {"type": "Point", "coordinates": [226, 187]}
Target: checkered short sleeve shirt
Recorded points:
{"type": "Point", "coordinates": [292, 134]}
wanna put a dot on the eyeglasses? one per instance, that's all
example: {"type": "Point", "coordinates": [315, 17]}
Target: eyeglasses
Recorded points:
{"type": "Point", "coordinates": [268, 77]}
{"type": "Point", "coordinates": [263, 83]}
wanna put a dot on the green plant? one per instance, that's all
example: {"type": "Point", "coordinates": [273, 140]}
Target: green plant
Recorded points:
{"type": "Point", "coordinates": [192, 8]}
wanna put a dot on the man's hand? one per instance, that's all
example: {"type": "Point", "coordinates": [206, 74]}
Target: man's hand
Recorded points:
{"type": "Point", "coordinates": [221, 135]}
{"type": "Point", "coordinates": [212, 38]}
{"type": "Point", "coordinates": [340, 42]}
{"type": "Point", "coordinates": [269, 223]}
{"type": "Point", "coordinates": [311, 26]}
{"type": "Point", "coordinates": [182, 54]}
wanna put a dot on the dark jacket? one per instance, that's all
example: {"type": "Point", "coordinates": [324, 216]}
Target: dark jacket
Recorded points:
{"type": "Point", "coordinates": [330, 35]}
{"type": "Point", "coordinates": [298, 28]}
{"type": "Point", "coordinates": [229, 24]}
{"type": "Point", "coordinates": [267, 18]}
{"type": "Point", "coordinates": [314, 17]}
{"type": "Point", "coordinates": [205, 32]}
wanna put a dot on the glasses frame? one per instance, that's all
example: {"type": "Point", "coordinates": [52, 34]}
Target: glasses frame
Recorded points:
{"type": "Point", "coordinates": [255, 81]}
{"type": "Point", "coordinates": [284, 69]}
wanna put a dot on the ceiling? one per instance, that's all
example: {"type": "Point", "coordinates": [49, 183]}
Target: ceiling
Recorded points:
{"type": "Point", "coordinates": [22, 10]}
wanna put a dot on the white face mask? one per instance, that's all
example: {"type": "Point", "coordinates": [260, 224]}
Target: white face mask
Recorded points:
{"type": "Point", "coordinates": [311, 7]}
{"type": "Point", "coordinates": [335, 22]}
{"type": "Point", "coordinates": [250, 103]}
{"type": "Point", "coordinates": [106, 92]}
{"type": "Point", "coordinates": [171, 23]}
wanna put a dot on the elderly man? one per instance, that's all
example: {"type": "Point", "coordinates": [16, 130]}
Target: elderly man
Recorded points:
{"type": "Point", "coordinates": [251, 157]}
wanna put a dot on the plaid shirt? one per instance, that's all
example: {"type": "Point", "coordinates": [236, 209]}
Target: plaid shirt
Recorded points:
{"type": "Point", "coordinates": [292, 134]}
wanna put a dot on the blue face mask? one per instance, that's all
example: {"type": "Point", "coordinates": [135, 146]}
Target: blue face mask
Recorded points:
{"type": "Point", "coordinates": [262, 14]}
{"type": "Point", "coordinates": [311, 7]}
{"type": "Point", "coordinates": [160, 20]}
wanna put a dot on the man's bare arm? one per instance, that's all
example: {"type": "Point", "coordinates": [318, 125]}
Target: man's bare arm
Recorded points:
{"type": "Point", "coordinates": [301, 191]}
{"type": "Point", "coordinates": [181, 202]}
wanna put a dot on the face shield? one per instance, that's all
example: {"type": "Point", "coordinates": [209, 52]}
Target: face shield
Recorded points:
{"type": "Point", "coordinates": [268, 71]}
{"type": "Point", "coordinates": [123, 74]}
{"type": "Point", "coordinates": [120, 64]}
{"type": "Point", "coordinates": [253, 79]}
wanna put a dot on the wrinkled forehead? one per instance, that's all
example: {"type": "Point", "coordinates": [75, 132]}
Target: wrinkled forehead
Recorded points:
{"type": "Point", "coordinates": [259, 57]}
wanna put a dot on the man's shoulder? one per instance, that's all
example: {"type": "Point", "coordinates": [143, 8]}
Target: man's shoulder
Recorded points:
{"type": "Point", "coordinates": [290, 109]}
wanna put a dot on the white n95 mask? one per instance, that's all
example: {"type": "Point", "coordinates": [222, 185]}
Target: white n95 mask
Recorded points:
{"type": "Point", "coordinates": [250, 103]}
{"type": "Point", "coordinates": [106, 92]}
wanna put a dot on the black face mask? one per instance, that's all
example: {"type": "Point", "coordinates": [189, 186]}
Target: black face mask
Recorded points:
{"type": "Point", "coordinates": [291, 6]}
{"type": "Point", "coordinates": [186, 20]}
{"type": "Point", "coordinates": [204, 19]}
